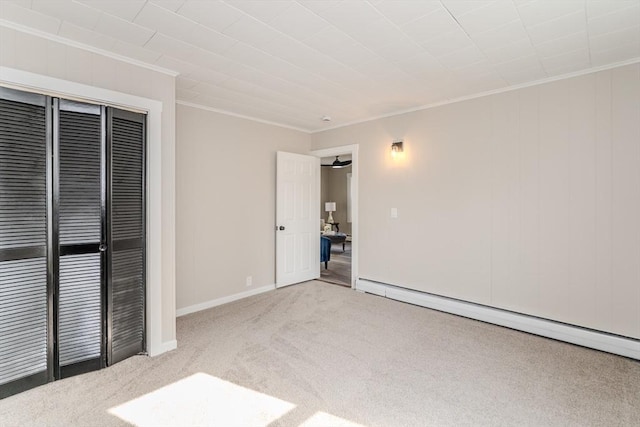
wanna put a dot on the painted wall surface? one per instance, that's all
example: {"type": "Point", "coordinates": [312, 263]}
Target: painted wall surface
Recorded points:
{"type": "Point", "coordinates": [334, 189]}
{"type": "Point", "coordinates": [27, 52]}
{"type": "Point", "coordinates": [527, 200]}
{"type": "Point", "coordinates": [226, 169]}
{"type": "Point", "coordinates": [324, 192]}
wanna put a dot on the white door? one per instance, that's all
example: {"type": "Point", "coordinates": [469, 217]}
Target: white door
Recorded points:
{"type": "Point", "coordinates": [297, 218]}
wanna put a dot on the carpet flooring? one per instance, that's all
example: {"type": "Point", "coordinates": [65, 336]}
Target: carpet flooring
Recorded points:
{"type": "Point", "coordinates": [320, 355]}
{"type": "Point", "coordinates": [339, 267]}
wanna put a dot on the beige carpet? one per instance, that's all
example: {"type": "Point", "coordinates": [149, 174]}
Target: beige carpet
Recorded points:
{"type": "Point", "coordinates": [318, 354]}
{"type": "Point", "coordinates": [339, 267]}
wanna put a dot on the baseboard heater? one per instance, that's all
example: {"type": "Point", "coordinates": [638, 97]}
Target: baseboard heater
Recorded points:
{"type": "Point", "coordinates": [623, 346]}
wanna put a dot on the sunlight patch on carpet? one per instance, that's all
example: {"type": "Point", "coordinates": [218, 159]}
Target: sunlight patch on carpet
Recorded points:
{"type": "Point", "coordinates": [202, 399]}
{"type": "Point", "coordinates": [322, 419]}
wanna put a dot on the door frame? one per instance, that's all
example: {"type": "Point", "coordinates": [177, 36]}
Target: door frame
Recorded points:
{"type": "Point", "coordinates": [31, 82]}
{"type": "Point", "coordinates": [355, 211]}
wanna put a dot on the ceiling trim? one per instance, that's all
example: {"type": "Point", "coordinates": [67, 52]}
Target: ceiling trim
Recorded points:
{"type": "Point", "coordinates": [79, 45]}
{"type": "Point", "coordinates": [240, 116]}
{"type": "Point", "coordinates": [106, 53]}
{"type": "Point", "coordinates": [487, 93]}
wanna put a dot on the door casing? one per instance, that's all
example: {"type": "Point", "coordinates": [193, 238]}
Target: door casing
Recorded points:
{"type": "Point", "coordinates": [353, 151]}
{"type": "Point", "coordinates": [160, 295]}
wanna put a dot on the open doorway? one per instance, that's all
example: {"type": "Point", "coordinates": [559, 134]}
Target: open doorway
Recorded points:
{"type": "Point", "coordinates": [335, 223]}
{"type": "Point", "coordinates": [338, 215]}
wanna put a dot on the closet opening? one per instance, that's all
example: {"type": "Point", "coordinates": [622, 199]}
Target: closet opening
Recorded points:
{"type": "Point", "coordinates": [72, 237]}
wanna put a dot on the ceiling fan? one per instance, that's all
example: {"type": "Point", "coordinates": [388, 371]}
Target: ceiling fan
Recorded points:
{"type": "Point", "coordinates": [337, 163]}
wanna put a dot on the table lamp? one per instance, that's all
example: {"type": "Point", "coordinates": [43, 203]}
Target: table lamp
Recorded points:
{"type": "Point", "coordinates": [330, 207]}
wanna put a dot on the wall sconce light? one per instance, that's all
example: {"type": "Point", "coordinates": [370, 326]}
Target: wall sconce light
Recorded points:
{"type": "Point", "coordinates": [396, 148]}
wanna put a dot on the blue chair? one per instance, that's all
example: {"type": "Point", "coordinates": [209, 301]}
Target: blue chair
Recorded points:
{"type": "Point", "coordinates": [325, 250]}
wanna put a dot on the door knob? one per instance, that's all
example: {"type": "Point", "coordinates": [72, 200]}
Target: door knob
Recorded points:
{"type": "Point", "coordinates": [281, 228]}
{"type": "Point", "coordinates": [102, 247]}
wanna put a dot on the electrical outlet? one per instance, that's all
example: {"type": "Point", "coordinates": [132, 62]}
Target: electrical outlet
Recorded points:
{"type": "Point", "coordinates": [249, 281]}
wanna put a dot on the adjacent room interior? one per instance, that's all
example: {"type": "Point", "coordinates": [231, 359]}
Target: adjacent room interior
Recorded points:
{"type": "Point", "coordinates": [336, 221]}
{"type": "Point", "coordinates": [176, 245]}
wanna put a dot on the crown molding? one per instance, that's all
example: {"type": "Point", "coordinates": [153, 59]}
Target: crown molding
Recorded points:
{"type": "Point", "coordinates": [79, 45]}
{"type": "Point", "coordinates": [103, 52]}
{"type": "Point", "coordinates": [486, 93]}
{"type": "Point", "coordinates": [240, 116]}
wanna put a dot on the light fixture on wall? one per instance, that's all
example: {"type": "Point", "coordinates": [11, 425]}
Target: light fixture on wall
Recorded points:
{"type": "Point", "coordinates": [330, 207]}
{"type": "Point", "coordinates": [396, 148]}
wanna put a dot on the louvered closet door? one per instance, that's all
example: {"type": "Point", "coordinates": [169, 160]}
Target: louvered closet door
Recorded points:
{"type": "Point", "coordinates": [127, 234]}
{"type": "Point", "coordinates": [79, 174]}
{"type": "Point", "coordinates": [25, 349]}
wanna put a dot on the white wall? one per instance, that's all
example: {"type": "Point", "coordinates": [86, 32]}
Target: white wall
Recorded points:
{"type": "Point", "coordinates": [527, 200]}
{"type": "Point", "coordinates": [226, 169]}
{"type": "Point", "coordinates": [45, 57]}
{"type": "Point", "coordinates": [324, 191]}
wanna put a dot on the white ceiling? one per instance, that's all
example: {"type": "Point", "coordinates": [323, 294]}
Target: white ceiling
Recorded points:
{"type": "Point", "coordinates": [292, 62]}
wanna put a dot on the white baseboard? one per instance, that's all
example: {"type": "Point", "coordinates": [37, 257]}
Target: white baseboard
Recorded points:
{"type": "Point", "coordinates": [162, 348]}
{"type": "Point", "coordinates": [603, 341]}
{"type": "Point", "coordinates": [219, 301]}
{"type": "Point", "coordinates": [169, 345]}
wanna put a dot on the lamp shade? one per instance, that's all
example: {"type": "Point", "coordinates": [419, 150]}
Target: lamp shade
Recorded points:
{"type": "Point", "coordinates": [330, 207]}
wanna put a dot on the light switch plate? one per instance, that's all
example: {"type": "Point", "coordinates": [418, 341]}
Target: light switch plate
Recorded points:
{"type": "Point", "coordinates": [394, 212]}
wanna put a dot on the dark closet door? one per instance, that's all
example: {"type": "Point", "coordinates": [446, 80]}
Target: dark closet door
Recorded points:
{"type": "Point", "coordinates": [25, 345]}
{"type": "Point", "coordinates": [72, 238]}
{"type": "Point", "coordinates": [126, 234]}
{"type": "Point", "coordinates": [79, 193]}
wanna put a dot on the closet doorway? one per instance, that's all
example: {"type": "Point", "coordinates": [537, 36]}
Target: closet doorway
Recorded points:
{"type": "Point", "coordinates": [72, 238]}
